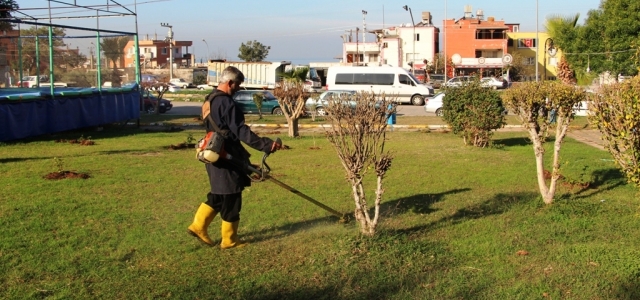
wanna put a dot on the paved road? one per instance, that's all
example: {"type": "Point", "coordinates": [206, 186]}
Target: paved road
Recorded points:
{"type": "Point", "coordinates": [193, 108]}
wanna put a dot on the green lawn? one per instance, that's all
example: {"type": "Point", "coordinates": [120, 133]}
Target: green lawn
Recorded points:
{"type": "Point", "coordinates": [454, 221]}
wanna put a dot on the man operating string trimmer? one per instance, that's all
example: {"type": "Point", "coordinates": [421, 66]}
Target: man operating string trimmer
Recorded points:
{"type": "Point", "coordinates": [227, 177]}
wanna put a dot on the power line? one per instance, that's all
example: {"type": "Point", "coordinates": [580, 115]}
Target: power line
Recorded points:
{"type": "Point", "coordinates": [600, 53]}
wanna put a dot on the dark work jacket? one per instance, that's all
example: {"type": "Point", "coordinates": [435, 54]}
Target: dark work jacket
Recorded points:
{"type": "Point", "coordinates": [225, 177]}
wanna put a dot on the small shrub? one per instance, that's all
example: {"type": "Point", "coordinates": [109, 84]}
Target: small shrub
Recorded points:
{"type": "Point", "coordinates": [473, 112]}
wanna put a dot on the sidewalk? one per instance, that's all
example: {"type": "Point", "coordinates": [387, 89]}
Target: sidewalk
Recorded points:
{"type": "Point", "coordinates": [590, 137]}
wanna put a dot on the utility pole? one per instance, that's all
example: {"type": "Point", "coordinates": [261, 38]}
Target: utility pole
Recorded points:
{"type": "Point", "coordinates": [413, 69]}
{"type": "Point", "coordinates": [169, 39]}
{"type": "Point", "coordinates": [537, 49]}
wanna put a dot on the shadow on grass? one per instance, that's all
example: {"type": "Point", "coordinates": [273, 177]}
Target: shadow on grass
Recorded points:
{"type": "Point", "coordinates": [99, 132]}
{"type": "Point", "coordinates": [602, 180]}
{"type": "Point", "coordinates": [512, 142]}
{"type": "Point", "coordinates": [629, 288]}
{"type": "Point", "coordinates": [21, 159]}
{"type": "Point", "coordinates": [291, 228]}
{"type": "Point", "coordinates": [499, 204]}
{"type": "Point", "coordinates": [420, 204]}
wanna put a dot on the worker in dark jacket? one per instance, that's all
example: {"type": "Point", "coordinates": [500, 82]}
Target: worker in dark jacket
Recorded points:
{"type": "Point", "coordinates": [227, 178]}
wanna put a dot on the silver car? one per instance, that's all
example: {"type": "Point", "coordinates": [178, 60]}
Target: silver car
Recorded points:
{"type": "Point", "coordinates": [318, 104]}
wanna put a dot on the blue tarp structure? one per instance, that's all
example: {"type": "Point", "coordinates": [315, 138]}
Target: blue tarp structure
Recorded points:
{"type": "Point", "coordinates": [32, 112]}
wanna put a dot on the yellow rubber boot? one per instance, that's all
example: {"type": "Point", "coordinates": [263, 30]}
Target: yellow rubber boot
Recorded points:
{"type": "Point", "coordinates": [229, 232]}
{"type": "Point", "coordinates": [201, 221]}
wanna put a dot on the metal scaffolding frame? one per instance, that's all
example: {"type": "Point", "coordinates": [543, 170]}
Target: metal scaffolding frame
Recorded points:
{"type": "Point", "coordinates": [107, 10]}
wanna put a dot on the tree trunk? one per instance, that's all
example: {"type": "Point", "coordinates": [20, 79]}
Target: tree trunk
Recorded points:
{"type": "Point", "coordinates": [293, 127]}
{"type": "Point", "coordinates": [538, 149]}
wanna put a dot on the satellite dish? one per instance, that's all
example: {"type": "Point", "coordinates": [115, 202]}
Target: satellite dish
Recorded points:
{"type": "Point", "coordinates": [507, 58]}
{"type": "Point", "coordinates": [456, 59]}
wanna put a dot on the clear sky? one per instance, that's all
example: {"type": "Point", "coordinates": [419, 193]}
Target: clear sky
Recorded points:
{"type": "Point", "coordinates": [297, 31]}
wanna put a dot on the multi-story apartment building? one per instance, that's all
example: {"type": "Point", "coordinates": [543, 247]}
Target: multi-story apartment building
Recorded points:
{"type": "Point", "coordinates": [524, 46]}
{"type": "Point", "coordinates": [155, 53]}
{"type": "Point", "coordinates": [398, 46]}
{"type": "Point", "coordinates": [476, 45]}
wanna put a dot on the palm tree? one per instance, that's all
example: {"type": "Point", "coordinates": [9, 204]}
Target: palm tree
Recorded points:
{"type": "Point", "coordinates": [113, 49]}
{"type": "Point", "coordinates": [295, 75]}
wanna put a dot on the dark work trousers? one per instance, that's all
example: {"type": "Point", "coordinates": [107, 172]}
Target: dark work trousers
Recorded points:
{"type": "Point", "coordinates": [227, 205]}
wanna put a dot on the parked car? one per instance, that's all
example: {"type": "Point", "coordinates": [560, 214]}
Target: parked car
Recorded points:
{"type": "Point", "coordinates": [244, 100]}
{"type": "Point", "coordinates": [181, 83]}
{"type": "Point", "coordinates": [434, 105]}
{"type": "Point", "coordinates": [173, 87]}
{"type": "Point", "coordinates": [203, 87]}
{"type": "Point", "coordinates": [457, 81]}
{"type": "Point", "coordinates": [436, 80]}
{"type": "Point", "coordinates": [150, 104]}
{"type": "Point", "coordinates": [420, 74]}
{"type": "Point", "coordinates": [30, 81]}
{"type": "Point", "coordinates": [493, 83]}
{"type": "Point", "coordinates": [323, 100]}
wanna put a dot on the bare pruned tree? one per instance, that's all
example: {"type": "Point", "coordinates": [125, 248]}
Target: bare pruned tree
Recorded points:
{"type": "Point", "coordinates": [358, 133]}
{"type": "Point", "coordinates": [159, 87]}
{"type": "Point", "coordinates": [541, 106]}
{"type": "Point", "coordinates": [291, 97]}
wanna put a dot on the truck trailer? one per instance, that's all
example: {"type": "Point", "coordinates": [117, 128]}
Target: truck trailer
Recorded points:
{"type": "Point", "coordinates": [257, 75]}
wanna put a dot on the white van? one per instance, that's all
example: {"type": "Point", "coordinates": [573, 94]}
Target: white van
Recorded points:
{"type": "Point", "coordinates": [393, 81]}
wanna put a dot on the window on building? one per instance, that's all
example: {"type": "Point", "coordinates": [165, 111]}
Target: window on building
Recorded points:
{"type": "Point", "coordinates": [385, 45]}
{"type": "Point", "coordinates": [527, 43]}
{"type": "Point", "coordinates": [529, 61]}
{"type": "Point", "coordinates": [491, 34]}
{"type": "Point", "coordinates": [177, 50]}
{"type": "Point", "coordinates": [164, 50]}
{"type": "Point", "coordinates": [373, 57]}
{"type": "Point", "coordinates": [417, 37]}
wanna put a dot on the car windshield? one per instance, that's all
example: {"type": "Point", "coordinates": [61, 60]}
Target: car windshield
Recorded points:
{"type": "Point", "coordinates": [269, 96]}
{"type": "Point", "coordinates": [414, 78]}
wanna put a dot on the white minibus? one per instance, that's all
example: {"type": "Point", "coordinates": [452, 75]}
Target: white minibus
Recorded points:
{"type": "Point", "coordinates": [392, 81]}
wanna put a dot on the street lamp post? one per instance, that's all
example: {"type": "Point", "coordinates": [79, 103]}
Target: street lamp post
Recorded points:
{"type": "Point", "coordinates": [208, 52]}
{"type": "Point", "coordinates": [364, 31]}
{"type": "Point", "coordinates": [357, 50]}
{"type": "Point", "coordinates": [169, 38]}
{"type": "Point", "coordinates": [208, 58]}
{"type": "Point", "coordinates": [413, 55]}
{"type": "Point", "coordinates": [445, 40]}
{"type": "Point", "coordinates": [537, 47]}
{"type": "Point", "coordinates": [552, 52]}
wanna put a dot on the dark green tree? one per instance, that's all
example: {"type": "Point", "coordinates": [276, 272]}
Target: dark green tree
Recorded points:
{"type": "Point", "coordinates": [113, 48]}
{"type": "Point", "coordinates": [253, 51]}
{"type": "Point", "coordinates": [6, 8]}
{"type": "Point", "coordinates": [604, 42]}
{"type": "Point", "coordinates": [29, 61]}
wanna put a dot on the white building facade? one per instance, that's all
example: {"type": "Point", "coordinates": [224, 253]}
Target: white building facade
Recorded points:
{"type": "Point", "coordinates": [398, 46]}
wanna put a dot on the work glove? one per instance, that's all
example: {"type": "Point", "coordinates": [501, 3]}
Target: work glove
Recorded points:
{"type": "Point", "coordinates": [277, 145]}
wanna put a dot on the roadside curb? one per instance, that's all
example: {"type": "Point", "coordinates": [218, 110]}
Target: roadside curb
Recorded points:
{"type": "Point", "coordinates": [311, 126]}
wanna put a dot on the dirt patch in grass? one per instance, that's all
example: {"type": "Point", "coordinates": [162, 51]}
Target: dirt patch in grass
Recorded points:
{"type": "Point", "coordinates": [76, 141]}
{"type": "Point", "coordinates": [66, 174]}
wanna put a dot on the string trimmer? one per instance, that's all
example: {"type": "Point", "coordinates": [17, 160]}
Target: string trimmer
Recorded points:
{"type": "Point", "coordinates": [210, 149]}
{"type": "Point", "coordinates": [263, 173]}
